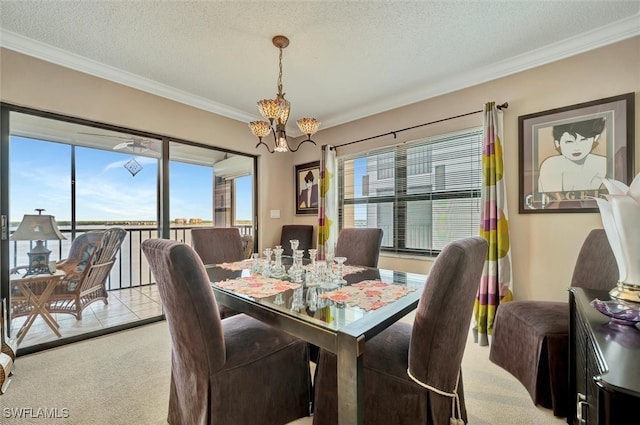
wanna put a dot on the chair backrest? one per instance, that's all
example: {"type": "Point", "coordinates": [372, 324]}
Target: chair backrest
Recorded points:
{"type": "Point", "coordinates": [596, 266]}
{"type": "Point", "coordinates": [360, 246]}
{"type": "Point", "coordinates": [217, 245]}
{"type": "Point", "coordinates": [190, 308]}
{"type": "Point", "coordinates": [80, 251]}
{"type": "Point", "coordinates": [302, 232]}
{"type": "Point", "coordinates": [102, 259]}
{"type": "Point", "coordinates": [247, 245]}
{"type": "Point", "coordinates": [443, 317]}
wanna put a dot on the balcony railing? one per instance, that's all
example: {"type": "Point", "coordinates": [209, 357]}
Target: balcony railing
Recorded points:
{"type": "Point", "coordinates": [131, 268]}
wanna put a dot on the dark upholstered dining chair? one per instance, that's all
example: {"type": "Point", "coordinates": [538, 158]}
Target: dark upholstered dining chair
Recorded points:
{"type": "Point", "coordinates": [302, 232]}
{"type": "Point", "coordinates": [216, 245]}
{"type": "Point", "coordinates": [360, 246]}
{"type": "Point", "coordinates": [430, 350]}
{"type": "Point", "coordinates": [232, 371]}
{"type": "Point", "coordinates": [531, 338]}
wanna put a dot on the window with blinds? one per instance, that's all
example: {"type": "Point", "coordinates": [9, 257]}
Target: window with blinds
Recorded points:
{"type": "Point", "coordinates": [423, 194]}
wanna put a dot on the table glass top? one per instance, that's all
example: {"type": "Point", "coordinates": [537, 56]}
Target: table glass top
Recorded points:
{"type": "Point", "coordinates": [370, 293]}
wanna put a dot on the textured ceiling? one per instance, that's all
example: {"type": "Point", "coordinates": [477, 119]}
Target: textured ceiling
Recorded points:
{"type": "Point", "coordinates": [346, 60]}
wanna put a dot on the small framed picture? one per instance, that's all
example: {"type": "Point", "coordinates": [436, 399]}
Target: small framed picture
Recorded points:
{"type": "Point", "coordinates": [565, 153]}
{"type": "Point", "coordinates": [307, 184]}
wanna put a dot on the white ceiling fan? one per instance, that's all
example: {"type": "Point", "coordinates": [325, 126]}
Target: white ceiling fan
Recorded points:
{"type": "Point", "coordinates": [132, 144]}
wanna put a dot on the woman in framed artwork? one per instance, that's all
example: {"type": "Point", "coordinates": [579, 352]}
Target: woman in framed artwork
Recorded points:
{"type": "Point", "coordinates": [308, 196]}
{"type": "Point", "coordinates": [576, 167]}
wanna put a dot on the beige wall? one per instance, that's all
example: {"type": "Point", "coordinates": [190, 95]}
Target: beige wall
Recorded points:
{"type": "Point", "coordinates": [544, 246]}
{"type": "Point", "coordinates": [33, 83]}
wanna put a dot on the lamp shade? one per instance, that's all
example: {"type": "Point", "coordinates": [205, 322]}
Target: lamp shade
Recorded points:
{"type": "Point", "coordinates": [37, 228]}
{"type": "Point", "coordinates": [620, 213]}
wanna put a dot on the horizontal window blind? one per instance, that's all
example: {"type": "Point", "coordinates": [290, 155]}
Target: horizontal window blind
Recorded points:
{"type": "Point", "coordinates": [423, 194]}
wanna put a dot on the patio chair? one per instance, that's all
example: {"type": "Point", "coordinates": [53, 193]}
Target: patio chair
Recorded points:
{"type": "Point", "coordinates": [247, 245]}
{"type": "Point", "coordinates": [81, 249]}
{"type": "Point", "coordinates": [84, 280]}
{"type": "Point", "coordinates": [233, 371]}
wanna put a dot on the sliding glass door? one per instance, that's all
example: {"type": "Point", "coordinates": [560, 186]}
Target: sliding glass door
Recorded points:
{"type": "Point", "coordinates": [209, 188]}
{"type": "Point", "coordinates": [91, 176]}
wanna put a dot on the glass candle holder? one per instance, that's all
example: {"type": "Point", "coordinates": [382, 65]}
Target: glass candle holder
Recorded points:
{"type": "Point", "coordinates": [339, 275]}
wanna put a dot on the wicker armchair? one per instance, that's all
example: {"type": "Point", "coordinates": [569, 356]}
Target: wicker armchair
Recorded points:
{"type": "Point", "coordinates": [247, 245]}
{"type": "Point", "coordinates": [84, 281]}
{"type": "Point", "coordinates": [81, 249]}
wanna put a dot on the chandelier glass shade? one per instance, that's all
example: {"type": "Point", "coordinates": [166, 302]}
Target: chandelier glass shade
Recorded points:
{"type": "Point", "coordinates": [277, 111]}
{"type": "Point", "coordinates": [271, 109]}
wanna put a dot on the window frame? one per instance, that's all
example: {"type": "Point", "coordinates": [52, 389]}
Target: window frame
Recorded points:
{"type": "Point", "coordinates": [401, 197]}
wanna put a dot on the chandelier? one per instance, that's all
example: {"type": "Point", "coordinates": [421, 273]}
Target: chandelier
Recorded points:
{"type": "Point", "coordinates": [277, 112]}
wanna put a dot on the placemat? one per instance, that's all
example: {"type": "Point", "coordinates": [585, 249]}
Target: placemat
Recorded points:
{"type": "Point", "coordinates": [238, 265]}
{"type": "Point", "coordinates": [257, 286]}
{"type": "Point", "coordinates": [368, 294]}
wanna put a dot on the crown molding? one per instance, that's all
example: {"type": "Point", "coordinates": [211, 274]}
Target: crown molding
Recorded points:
{"type": "Point", "coordinates": [591, 40]}
{"type": "Point", "coordinates": [599, 37]}
{"type": "Point", "coordinates": [37, 49]}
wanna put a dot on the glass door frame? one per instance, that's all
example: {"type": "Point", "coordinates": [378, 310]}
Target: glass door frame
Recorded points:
{"type": "Point", "coordinates": [163, 190]}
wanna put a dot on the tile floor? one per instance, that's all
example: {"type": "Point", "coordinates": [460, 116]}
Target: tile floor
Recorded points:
{"type": "Point", "coordinates": [125, 305]}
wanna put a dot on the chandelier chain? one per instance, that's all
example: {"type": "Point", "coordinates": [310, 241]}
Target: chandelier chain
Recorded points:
{"type": "Point", "coordinates": [280, 74]}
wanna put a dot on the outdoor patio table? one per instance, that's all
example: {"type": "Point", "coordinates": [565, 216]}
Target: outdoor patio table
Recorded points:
{"type": "Point", "coordinates": [31, 293]}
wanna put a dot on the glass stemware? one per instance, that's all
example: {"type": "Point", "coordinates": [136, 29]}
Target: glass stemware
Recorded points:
{"type": "Point", "coordinates": [266, 270]}
{"type": "Point", "coordinates": [297, 302]}
{"type": "Point", "coordinates": [294, 244]}
{"type": "Point", "coordinates": [311, 278]}
{"type": "Point", "coordinates": [321, 272]}
{"type": "Point", "coordinates": [339, 275]}
{"type": "Point", "coordinates": [296, 271]}
{"type": "Point", "coordinates": [312, 298]}
{"type": "Point", "coordinates": [329, 260]}
{"type": "Point", "coordinates": [325, 277]}
{"type": "Point", "coordinates": [278, 268]}
{"type": "Point", "coordinates": [312, 256]}
{"type": "Point", "coordinates": [255, 263]}
{"type": "Point", "coordinates": [328, 256]}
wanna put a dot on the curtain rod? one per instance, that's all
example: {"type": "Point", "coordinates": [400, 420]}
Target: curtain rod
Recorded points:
{"type": "Point", "coordinates": [505, 105]}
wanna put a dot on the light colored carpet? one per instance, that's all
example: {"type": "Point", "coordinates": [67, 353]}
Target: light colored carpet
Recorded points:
{"type": "Point", "coordinates": [123, 378]}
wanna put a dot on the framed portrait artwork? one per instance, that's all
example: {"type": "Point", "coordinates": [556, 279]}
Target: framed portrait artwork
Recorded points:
{"type": "Point", "coordinates": [566, 152]}
{"type": "Point", "coordinates": [307, 184]}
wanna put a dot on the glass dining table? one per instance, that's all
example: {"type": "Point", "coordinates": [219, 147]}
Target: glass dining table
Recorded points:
{"type": "Point", "coordinates": [338, 318]}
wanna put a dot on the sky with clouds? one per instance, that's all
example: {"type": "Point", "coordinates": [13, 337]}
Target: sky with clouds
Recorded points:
{"type": "Point", "coordinates": [40, 177]}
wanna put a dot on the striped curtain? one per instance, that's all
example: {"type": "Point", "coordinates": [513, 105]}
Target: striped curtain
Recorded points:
{"type": "Point", "coordinates": [495, 286]}
{"type": "Point", "coordinates": [328, 208]}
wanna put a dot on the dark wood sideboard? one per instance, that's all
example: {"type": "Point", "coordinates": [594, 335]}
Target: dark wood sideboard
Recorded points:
{"type": "Point", "coordinates": [604, 365]}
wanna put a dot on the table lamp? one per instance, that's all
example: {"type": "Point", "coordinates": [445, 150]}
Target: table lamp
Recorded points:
{"type": "Point", "coordinates": [38, 228]}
